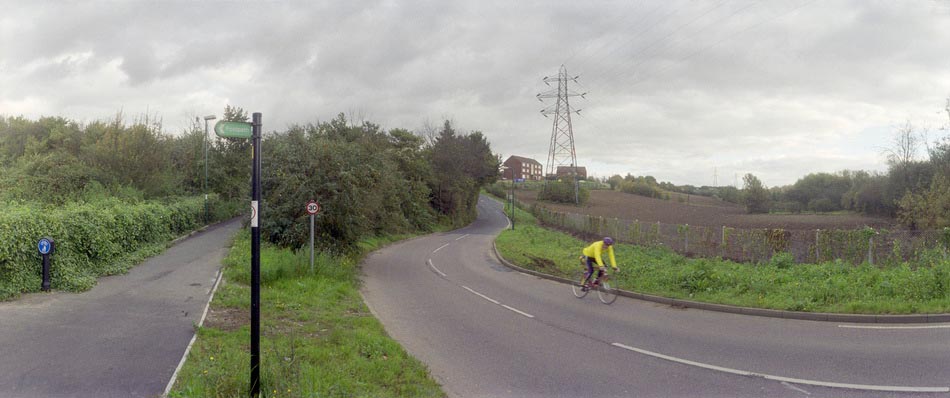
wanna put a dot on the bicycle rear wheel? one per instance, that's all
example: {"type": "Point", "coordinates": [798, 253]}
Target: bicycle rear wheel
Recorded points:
{"type": "Point", "coordinates": [606, 293]}
{"type": "Point", "coordinates": [576, 284]}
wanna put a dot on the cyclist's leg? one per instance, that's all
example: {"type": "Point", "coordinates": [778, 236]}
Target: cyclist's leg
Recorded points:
{"type": "Point", "coordinates": [590, 269]}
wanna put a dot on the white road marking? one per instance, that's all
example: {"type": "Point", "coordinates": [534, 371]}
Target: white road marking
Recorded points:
{"type": "Point", "coordinates": [522, 273]}
{"type": "Point", "coordinates": [434, 268]}
{"type": "Point", "coordinates": [786, 384]}
{"type": "Point", "coordinates": [866, 387]}
{"type": "Point", "coordinates": [440, 248]}
{"type": "Point", "coordinates": [462, 237]}
{"type": "Point", "coordinates": [194, 337]}
{"type": "Point", "coordinates": [518, 311]}
{"type": "Point", "coordinates": [481, 295]}
{"type": "Point", "coordinates": [943, 326]}
{"type": "Point", "coordinates": [497, 302]}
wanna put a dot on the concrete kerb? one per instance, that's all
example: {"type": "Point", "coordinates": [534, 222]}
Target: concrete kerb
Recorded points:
{"type": "Point", "coordinates": [809, 316]}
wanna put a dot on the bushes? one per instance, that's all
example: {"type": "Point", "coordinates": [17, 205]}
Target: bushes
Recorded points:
{"type": "Point", "coordinates": [642, 189]}
{"type": "Point", "coordinates": [91, 239]}
{"type": "Point", "coordinates": [563, 192]}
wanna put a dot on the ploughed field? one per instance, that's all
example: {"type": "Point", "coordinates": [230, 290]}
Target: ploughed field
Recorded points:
{"type": "Point", "coordinates": [702, 211]}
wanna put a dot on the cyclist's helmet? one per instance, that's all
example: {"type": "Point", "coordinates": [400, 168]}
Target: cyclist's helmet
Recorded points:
{"type": "Point", "coordinates": [608, 241]}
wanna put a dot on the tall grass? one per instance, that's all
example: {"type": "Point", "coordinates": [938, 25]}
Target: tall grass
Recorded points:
{"type": "Point", "coordinates": [318, 338]}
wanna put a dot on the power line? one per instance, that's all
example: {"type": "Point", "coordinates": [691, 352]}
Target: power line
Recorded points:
{"type": "Point", "coordinates": [720, 41]}
{"type": "Point", "coordinates": [609, 27]}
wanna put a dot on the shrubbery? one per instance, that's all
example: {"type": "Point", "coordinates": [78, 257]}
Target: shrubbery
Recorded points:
{"type": "Point", "coordinates": [92, 239]}
{"type": "Point", "coordinates": [563, 192]}
{"type": "Point", "coordinates": [369, 181]}
{"type": "Point", "coordinates": [643, 189]}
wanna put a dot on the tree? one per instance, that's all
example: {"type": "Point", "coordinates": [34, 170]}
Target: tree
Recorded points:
{"type": "Point", "coordinates": [615, 181]}
{"type": "Point", "coordinates": [461, 164]}
{"type": "Point", "coordinates": [756, 195]}
{"type": "Point", "coordinates": [234, 114]}
{"type": "Point", "coordinates": [824, 188]}
{"type": "Point", "coordinates": [905, 145]}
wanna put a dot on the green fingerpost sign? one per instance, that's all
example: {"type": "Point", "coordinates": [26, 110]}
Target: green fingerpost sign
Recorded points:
{"type": "Point", "coordinates": [233, 129]}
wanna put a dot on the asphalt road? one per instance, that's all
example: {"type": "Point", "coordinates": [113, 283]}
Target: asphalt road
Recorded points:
{"type": "Point", "coordinates": [124, 338]}
{"type": "Point", "coordinates": [487, 331]}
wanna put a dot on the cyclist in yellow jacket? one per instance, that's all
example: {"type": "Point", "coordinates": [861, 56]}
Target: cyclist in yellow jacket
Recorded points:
{"type": "Point", "coordinates": [593, 254]}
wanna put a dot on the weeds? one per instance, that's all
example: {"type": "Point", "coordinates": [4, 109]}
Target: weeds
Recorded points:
{"type": "Point", "coordinates": [317, 339]}
{"type": "Point", "coordinates": [780, 283]}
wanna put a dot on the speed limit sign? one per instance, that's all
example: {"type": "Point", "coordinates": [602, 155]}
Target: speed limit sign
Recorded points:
{"type": "Point", "coordinates": [313, 207]}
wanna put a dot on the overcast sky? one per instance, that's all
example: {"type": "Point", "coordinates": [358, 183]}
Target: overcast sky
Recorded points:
{"type": "Point", "coordinates": [681, 90]}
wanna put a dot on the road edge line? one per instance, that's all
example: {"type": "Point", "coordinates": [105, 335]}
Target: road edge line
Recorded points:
{"type": "Point", "coordinates": [818, 383]}
{"type": "Point", "coordinates": [194, 337]}
{"type": "Point", "coordinates": [797, 315]}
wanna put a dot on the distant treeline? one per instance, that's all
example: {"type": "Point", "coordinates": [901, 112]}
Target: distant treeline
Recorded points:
{"type": "Point", "coordinates": [368, 180]}
{"type": "Point", "coordinates": [914, 191]}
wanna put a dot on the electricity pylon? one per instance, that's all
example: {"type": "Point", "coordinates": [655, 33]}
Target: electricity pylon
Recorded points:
{"type": "Point", "coordinates": [562, 151]}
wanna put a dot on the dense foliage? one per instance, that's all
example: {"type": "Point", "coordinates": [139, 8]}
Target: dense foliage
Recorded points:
{"type": "Point", "coordinates": [92, 239]}
{"type": "Point", "coordinates": [369, 181]}
{"type": "Point", "coordinates": [95, 186]}
{"type": "Point", "coordinates": [54, 160]}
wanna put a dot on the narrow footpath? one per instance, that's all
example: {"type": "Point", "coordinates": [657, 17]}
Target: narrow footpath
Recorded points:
{"type": "Point", "coordinates": [123, 338]}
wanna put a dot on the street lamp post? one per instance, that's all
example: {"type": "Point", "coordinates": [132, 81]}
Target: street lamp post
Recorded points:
{"type": "Point", "coordinates": [512, 200]}
{"type": "Point", "coordinates": [511, 191]}
{"type": "Point", "coordinates": [205, 139]}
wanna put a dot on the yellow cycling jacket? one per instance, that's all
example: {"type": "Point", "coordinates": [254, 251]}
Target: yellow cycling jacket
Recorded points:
{"type": "Point", "coordinates": [596, 248]}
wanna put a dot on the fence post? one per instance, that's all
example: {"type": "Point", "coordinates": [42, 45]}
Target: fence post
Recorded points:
{"type": "Point", "coordinates": [722, 247]}
{"type": "Point", "coordinates": [616, 229]}
{"type": "Point", "coordinates": [636, 236]}
{"type": "Point", "coordinates": [687, 240]}
{"type": "Point", "coordinates": [817, 247]}
{"type": "Point", "coordinates": [870, 250]}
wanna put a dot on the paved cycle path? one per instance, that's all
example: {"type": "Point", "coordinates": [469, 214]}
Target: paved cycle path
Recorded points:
{"type": "Point", "coordinates": [123, 338]}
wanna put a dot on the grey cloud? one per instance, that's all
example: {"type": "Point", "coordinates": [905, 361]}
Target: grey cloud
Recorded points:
{"type": "Point", "coordinates": [676, 87]}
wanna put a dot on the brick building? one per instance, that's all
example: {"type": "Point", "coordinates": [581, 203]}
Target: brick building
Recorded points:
{"type": "Point", "coordinates": [522, 168]}
{"type": "Point", "coordinates": [568, 171]}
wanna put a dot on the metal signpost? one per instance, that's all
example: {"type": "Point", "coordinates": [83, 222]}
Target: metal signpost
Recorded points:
{"type": "Point", "coordinates": [45, 247]}
{"type": "Point", "coordinates": [512, 205]}
{"type": "Point", "coordinates": [313, 208]}
{"type": "Point", "coordinates": [252, 131]}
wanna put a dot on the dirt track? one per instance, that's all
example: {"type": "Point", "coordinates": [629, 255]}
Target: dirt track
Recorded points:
{"type": "Point", "coordinates": [702, 211]}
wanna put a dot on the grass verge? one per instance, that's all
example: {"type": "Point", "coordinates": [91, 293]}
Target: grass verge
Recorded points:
{"type": "Point", "coordinates": [837, 287]}
{"type": "Point", "coordinates": [318, 338]}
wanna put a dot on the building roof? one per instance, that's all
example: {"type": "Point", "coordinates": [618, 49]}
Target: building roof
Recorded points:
{"type": "Point", "coordinates": [523, 159]}
{"type": "Point", "coordinates": [568, 168]}
{"type": "Point", "coordinates": [580, 170]}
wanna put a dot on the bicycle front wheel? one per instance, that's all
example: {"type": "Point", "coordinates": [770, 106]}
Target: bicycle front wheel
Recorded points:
{"type": "Point", "coordinates": [577, 284]}
{"type": "Point", "coordinates": [606, 293]}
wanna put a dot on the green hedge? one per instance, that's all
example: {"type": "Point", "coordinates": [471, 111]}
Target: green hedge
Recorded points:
{"type": "Point", "coordinates": [92, 239]}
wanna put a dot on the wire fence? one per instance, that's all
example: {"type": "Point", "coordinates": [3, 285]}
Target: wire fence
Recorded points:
{"type": "Point", "coordinates": [855, 246]}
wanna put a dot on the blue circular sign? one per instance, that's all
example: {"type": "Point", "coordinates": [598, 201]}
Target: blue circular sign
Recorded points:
{"type": "Point", "coordinates": [44, 246]}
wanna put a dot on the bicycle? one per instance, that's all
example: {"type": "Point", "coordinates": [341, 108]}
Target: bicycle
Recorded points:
{"type": "Point", "coordinates": [581, 286]}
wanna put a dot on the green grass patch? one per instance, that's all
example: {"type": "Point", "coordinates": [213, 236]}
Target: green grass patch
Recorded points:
{"type": "Point", "coordinates": [921, 287]}
{"type": "Point", "coordinates": [318, 338]}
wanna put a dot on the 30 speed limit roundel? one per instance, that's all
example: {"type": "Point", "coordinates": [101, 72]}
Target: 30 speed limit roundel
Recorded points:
{"type": "Point", "coordinates": [313, 207]}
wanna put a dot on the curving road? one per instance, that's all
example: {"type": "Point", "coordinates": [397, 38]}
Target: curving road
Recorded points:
{"type": "Point", "coordinates": [487, 331]}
